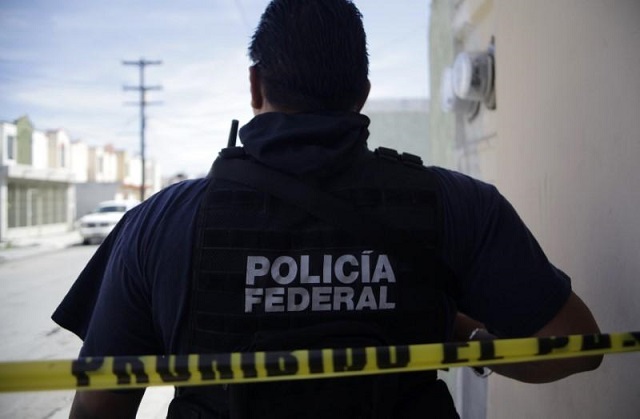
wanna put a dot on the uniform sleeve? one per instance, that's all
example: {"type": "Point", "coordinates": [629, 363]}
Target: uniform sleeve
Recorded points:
{"type": "Point", "coordinates": [108, 306]}
{"type": "Point", "coordinates": [75, 310]}
{"type": "Point", "coordinates": [121, 323]}
{"type": "Point", "coordinates": [505, 279]}
{"type": "Point", "coordinates": [130, 297]}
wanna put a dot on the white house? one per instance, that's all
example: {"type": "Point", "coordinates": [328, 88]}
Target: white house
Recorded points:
{"type": "Point", "coordinates": [59, 149]}
{"type": "Point", "coordinates": [103, 164]}
{"type": "Point", "coordinates": [47, 180]}
{"type": "Point", "coordinates": [79, 154]}
{"type": "Point", "coordinates": [40, 147]}
{"type": "Point", "coordinates": [36, 199]}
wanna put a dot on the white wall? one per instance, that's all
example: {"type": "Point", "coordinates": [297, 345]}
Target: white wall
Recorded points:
{"type": "Point", "coordinates": [59, 149]}
{"type": "Point", "coordinates": [564, 147]}
{"type": "Point", "coordinates": [39, 150]}
{"type": "Point", "coordinates": [567, 157]}
{"type": "Point", "coordinates": [134, 176]}
{"type": "Point", "coordinates": [107, 171]}
{"type": "Point", "coordinates": [80, 161]}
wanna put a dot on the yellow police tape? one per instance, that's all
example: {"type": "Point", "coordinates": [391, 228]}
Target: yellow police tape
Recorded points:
{"type": "Point", "coordinates": [144, 371]}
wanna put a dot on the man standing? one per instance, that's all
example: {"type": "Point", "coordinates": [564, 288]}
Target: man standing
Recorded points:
{"type": "Point", "coordinates": [303, 238]}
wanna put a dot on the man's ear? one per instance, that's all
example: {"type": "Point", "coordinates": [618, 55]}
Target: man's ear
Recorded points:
{"type": "Point", "coordinates": [257, 100]}
{"type": "Point", "coordinates": [363, 99]}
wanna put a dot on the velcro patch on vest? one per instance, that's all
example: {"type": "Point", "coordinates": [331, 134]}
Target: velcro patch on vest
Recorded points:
{"type": "Point", "coordinates": [276, 283]}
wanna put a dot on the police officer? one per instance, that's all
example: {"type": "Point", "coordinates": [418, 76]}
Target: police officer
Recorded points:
{"type": "Point", "coordinates": [304, 238]}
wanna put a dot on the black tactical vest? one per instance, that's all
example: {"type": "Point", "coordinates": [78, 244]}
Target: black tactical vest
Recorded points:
{"type": "Point", "coordinates": [267, 275]}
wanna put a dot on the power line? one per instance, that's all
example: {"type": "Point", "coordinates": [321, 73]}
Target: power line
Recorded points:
{"type": "Point", "coordinates": [142, 103]}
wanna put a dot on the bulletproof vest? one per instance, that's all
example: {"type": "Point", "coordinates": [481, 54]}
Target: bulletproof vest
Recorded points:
{"type": "Point", "coordinates": [267, 275]}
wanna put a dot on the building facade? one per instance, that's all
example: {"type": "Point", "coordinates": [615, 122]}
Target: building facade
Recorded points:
{"type": "Point", "coordinates": [401, 124]}
{"type": "Point", "coordinates": [562, 145]}
{"type": "Point", "coordinates": [37, 197]}
{"type": "Point", "coordinates": [47, 180]}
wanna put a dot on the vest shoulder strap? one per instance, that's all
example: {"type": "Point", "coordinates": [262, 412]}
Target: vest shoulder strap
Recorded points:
{"type": "Point", "coordinates": [315, 201]}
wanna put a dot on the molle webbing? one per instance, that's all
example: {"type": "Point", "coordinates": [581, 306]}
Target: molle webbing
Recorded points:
{"type": "Point", "coordinates": [238, 222]}
{"type": "Point", "coordinates": [266, 263]}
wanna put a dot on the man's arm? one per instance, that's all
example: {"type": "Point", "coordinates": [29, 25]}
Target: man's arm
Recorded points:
{"type": "Point", "coordinates": [104, 404]}
{"type": "Point", "coordinates": [574, 318]}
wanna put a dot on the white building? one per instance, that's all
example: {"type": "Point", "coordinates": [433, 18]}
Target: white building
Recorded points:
{"type": "Point", "coordinates": [103, 164]}
{"type": "Point", "coordinates": [133, 178]}
{"type": "Point", "coordinates": [114, 174]}
{"type": "Point", "coordinates": [80, 161]}
{"type": "Point", "coordinates": [35, 198]}
{"type": "Point", "coordinates": [47, 180]}
{"type": "Point", "coordinates": [59, 149]}
{"type": "Point", "coordinates": [40, 144]}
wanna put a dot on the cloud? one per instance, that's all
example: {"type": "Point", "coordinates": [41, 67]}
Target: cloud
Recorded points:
{"type": "Point", "coordinates": [61, 65]}
{"type": "Point", "coordinates": [397, 74]}
{"type": "Point", "coordinates": [199, 101]}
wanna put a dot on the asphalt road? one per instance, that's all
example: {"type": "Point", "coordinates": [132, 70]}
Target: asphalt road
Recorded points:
{"type": "Point", "coordinates": [30, 290]}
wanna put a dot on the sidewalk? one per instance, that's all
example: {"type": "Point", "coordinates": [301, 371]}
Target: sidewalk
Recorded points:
{"type": "Point", "coordinates": [31, 246]}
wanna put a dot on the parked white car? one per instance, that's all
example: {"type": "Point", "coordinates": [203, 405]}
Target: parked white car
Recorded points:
{"type": "Point", "coordinates": [98, 224]}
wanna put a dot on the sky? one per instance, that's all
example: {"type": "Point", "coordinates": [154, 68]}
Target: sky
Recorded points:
{"type": "Point", "coordinates": [61, 64]}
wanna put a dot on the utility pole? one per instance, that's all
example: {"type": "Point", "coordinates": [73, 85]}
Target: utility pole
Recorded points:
{"type": "Point", "coordinates": [142, 103]}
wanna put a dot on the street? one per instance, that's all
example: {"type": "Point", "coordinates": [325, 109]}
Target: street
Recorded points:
{"type": "Point", "coordinates": [30, 290]}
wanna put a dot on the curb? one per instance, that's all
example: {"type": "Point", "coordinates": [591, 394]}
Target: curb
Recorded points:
{"type": "Point", "coordinates": [29, 247]}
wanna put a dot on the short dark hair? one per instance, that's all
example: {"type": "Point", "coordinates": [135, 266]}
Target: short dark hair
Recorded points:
{"type": "Point", "coordinates": [311, 54]}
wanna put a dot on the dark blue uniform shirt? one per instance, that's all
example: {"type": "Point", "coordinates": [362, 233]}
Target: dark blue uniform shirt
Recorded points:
{"type": "Point", "coordinates": [131, 297]}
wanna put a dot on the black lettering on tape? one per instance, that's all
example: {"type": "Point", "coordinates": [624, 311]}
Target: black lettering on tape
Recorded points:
{"type": "Point", "coordinates": [488, 351]}
{"type": "Point", "coordinates": [393, 357]}
{"type": "Point", "coordinates": [546, 345]}
{"type": "Point", "coordinates": [80, 368]}
{"type": "Point", "coordinates": [127, 367]}
{"type": "Point", "coordinates": [280, 363]}
{"type": "Point", "coordinates": [248, 364]}
{"type": "Point", "coordinates": [349, 359]}
{"type": "Point", "coordinates": [590, 342]}
{"type": "Point", "coordinates": [632, 342]}
{"type": "Point", "coordinates": [316, 365]}
{"type": "Point", "coordinates": [451, 355]}
{"type": "Point", "coordinates": [175, 371]}
{"type": "Point", "coordinates": [211, 365]}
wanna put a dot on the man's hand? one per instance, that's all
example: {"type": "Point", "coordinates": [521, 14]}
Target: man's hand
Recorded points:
{"type": "Point", "coordinates": [574, 318]}
{"type": "Point", "coordinates": [104, 404]}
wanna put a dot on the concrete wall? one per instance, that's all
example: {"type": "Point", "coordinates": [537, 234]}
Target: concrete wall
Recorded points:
{"type": "Point", "coordinates": [89, 195]}
{"type": "Point", "coordinates": [40, 147]}
{"type": "Point", "coordinates": [442, 126]}
{"type": "Point", "coordinates": [399, 124]}
{"type": "Point", "coordinates": [59, 149]}
{"type": "Point", "coordinates": [460, 142]}
{"type": "Point", "coordinates": [103, 164]}
{"type": "Point", "coordinates": [568, 159]}
{"type": "Point", "coordinates": [563, 146]}
{"type": "Point", "coordinates": [80, 161]}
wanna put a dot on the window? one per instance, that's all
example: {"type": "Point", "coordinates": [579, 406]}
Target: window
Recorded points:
{"type": "Point", "coordinates": [11, 147]}
{"type": "Point", "coordinates": [112, 208]}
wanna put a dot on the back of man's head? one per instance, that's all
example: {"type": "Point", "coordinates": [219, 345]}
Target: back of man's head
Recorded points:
{"type": "Point", "coordinates": [312, 55]}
